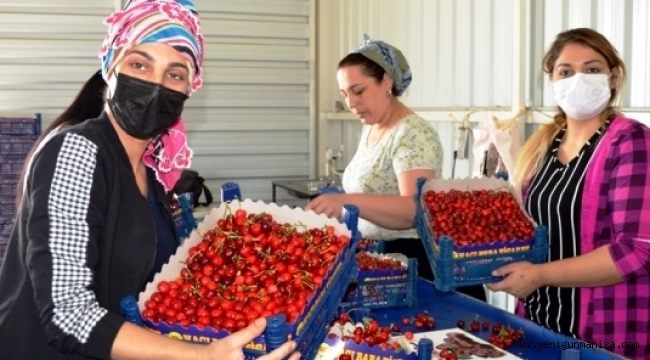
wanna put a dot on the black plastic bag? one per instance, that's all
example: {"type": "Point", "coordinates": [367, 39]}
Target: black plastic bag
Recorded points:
{"type": "Point", "coordinates": [192, 182]}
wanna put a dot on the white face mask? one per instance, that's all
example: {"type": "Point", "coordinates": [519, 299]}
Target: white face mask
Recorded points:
{"type": "Point", "coordinates": [582, 96]}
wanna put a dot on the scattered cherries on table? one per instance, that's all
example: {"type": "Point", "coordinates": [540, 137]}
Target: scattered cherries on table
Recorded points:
{"type": "Point", "coordinates": [372, 333]}
{"type": "Point", "coordinates": [500, 336]}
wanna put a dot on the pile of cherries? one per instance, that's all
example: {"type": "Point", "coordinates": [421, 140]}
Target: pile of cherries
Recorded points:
{"type": "Point", "coordinates": [505, 336]}
{"type": "Point", "coordinates": [477, 216]}
{"type": "Point", "coordinates": [248, 266]}
{"type": "Point", "coordinates": [369, 332]}
{"type": "Point", "coordinates": [373, 334]}
{"type": "Point", "coordinates": [367, 261]}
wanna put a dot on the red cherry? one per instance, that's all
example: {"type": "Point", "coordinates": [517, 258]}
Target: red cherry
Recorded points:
{"type": "Point", "coordinates": [343, 318]}
{"type": "Point", "coordinates": [475, 326]}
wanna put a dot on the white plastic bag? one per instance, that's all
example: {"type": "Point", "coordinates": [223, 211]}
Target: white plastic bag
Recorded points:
{"type": "Point", "coordinates": [495, 147]}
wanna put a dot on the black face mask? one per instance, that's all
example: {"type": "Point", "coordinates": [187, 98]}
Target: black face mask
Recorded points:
{"type": "Point", "coordinates": [143, 109]}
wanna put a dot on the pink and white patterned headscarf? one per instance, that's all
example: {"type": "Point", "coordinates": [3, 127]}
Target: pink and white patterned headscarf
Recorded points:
{"type": "Point", "coordinates": [172, 22]}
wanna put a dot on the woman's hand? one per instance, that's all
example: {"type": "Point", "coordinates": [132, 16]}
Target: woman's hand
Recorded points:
{"type": "Point", "coordinates": [328, 204]}
{"type": "Point", "coordinates": [521, 279]}
{"type": "Point", "coordinates": [232, 346]}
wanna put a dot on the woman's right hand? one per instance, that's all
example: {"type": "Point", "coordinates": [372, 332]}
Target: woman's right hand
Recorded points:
{"type": "Point", "coordinates": [520, 279]}
{"type": "Point", "coordinates": [232, 346]}
{"type": "Point", "coordinates": [328, 204]}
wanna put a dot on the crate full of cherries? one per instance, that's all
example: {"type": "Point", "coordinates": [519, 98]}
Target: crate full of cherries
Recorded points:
{"type": "Point", "coordinates": [382, 281]}
{"type": "Point", "coordinates": [469, 227]}
{"type": "Point", "coordinates": [251, 259]}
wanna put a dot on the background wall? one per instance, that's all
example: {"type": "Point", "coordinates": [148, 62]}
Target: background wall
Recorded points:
{"type": "Point", "coordinates": [267, 109]}
{"type": "Point", "coordinates": [251, 121]}
{"type": "Point", "coordinates": [477, 57]}
{"type": "Point", "coordinates": [47, 50]}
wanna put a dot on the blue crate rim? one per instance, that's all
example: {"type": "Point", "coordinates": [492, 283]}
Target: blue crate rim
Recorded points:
{"type": "Point", "coordinates": [445, 278]}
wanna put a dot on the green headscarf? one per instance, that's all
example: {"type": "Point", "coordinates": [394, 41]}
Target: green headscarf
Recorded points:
{"type": "Point", "coordinates": [390, 59]}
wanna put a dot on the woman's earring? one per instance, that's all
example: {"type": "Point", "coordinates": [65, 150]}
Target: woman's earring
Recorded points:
{"type": "Point", "coordinates": [389, 93]}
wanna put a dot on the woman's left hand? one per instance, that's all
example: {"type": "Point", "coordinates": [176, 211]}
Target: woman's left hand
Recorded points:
{"type": "Point", "coordinates": [231, 347]}
{"type": "Point", "coordinates": [328, 204]}
{"type": "Point", "coordinates": [521, 279]}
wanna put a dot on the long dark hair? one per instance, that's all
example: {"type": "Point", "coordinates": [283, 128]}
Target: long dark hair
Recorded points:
{"type": "Point", "coordinates": [88, 104]}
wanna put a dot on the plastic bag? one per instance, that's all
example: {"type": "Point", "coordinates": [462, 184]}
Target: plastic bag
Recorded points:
{"type": "Point", "coordinates": [192, 182]}
{"type": "Point", "coordinates": [495, 147]}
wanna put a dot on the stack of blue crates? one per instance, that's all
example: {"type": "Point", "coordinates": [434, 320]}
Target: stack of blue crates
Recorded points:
{"type": "Point", "coordinates": [377, 289]}
{"type": "Point", "coordinates": [17, 136]}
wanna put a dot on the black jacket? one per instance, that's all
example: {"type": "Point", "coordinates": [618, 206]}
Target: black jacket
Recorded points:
{"type": "Point", "coordinates": [84, 238]}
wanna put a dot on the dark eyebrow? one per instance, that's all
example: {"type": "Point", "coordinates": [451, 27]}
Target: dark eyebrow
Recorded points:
{"type": "Point", "coordinates": [179, 65]}
{"type": "Point", "coordinates": [148, 56]}
{"type": "Point", "coordinates": [142, 53]}
{"type": "Point", "coordinates": [351, 86]}
{"type": "Point", "coordinates": [588, 62]}
{"type": "Point", "coordinates": [592, 61]}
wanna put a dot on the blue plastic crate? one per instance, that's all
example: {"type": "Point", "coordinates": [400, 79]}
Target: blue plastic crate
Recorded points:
{"type": "Point", "coordinates": [11, 166]}
{"type": "Point", "coordinates": [376, 290]}
{"type": "Point", "coordinates": [184, 220]}
{"type": "Point", "coordinates": [16, 145]}
{"type": "Point", "coordinates": [7, 205]}
{"type": "Point", "coordinates": [183, 216]}
{"type": "Point", "coordinates": [8, 188]}
{"type": "Point", "coordinates": [308, 331]}
{"type": "Point", "coordinates": [3, 249]}
{"type": "Point", "coordinates": [5, 229]}
{"type": "Point", "coordinates": [7, 213]}
{"type": "Point", "coordinates": [7, 217]}
{"type": "Point", "coordinates": [472, 267]}
{"type": "Point", "coordinates": [230, 191]}
{"type": "Point", "coordinates": [371, 245]}
{"type": "Point", "coordinates": [21, 125]}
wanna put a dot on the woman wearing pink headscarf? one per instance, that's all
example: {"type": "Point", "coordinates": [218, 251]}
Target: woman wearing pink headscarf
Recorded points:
{"type": "Point", "coordinates": [93, 224]}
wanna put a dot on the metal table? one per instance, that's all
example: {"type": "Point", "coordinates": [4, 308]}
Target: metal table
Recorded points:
{"type": "Point", "coordinates": [300, 188]}
{"type": "Point", "coordinates": [449, 307]}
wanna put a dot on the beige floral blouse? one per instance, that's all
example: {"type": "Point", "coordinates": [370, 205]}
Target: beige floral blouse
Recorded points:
{"type": "Point", "coordinates": [412, 144]}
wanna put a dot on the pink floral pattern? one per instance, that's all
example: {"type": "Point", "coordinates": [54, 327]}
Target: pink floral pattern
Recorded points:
{"type": "Point", "coordinates": [168, 155]}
